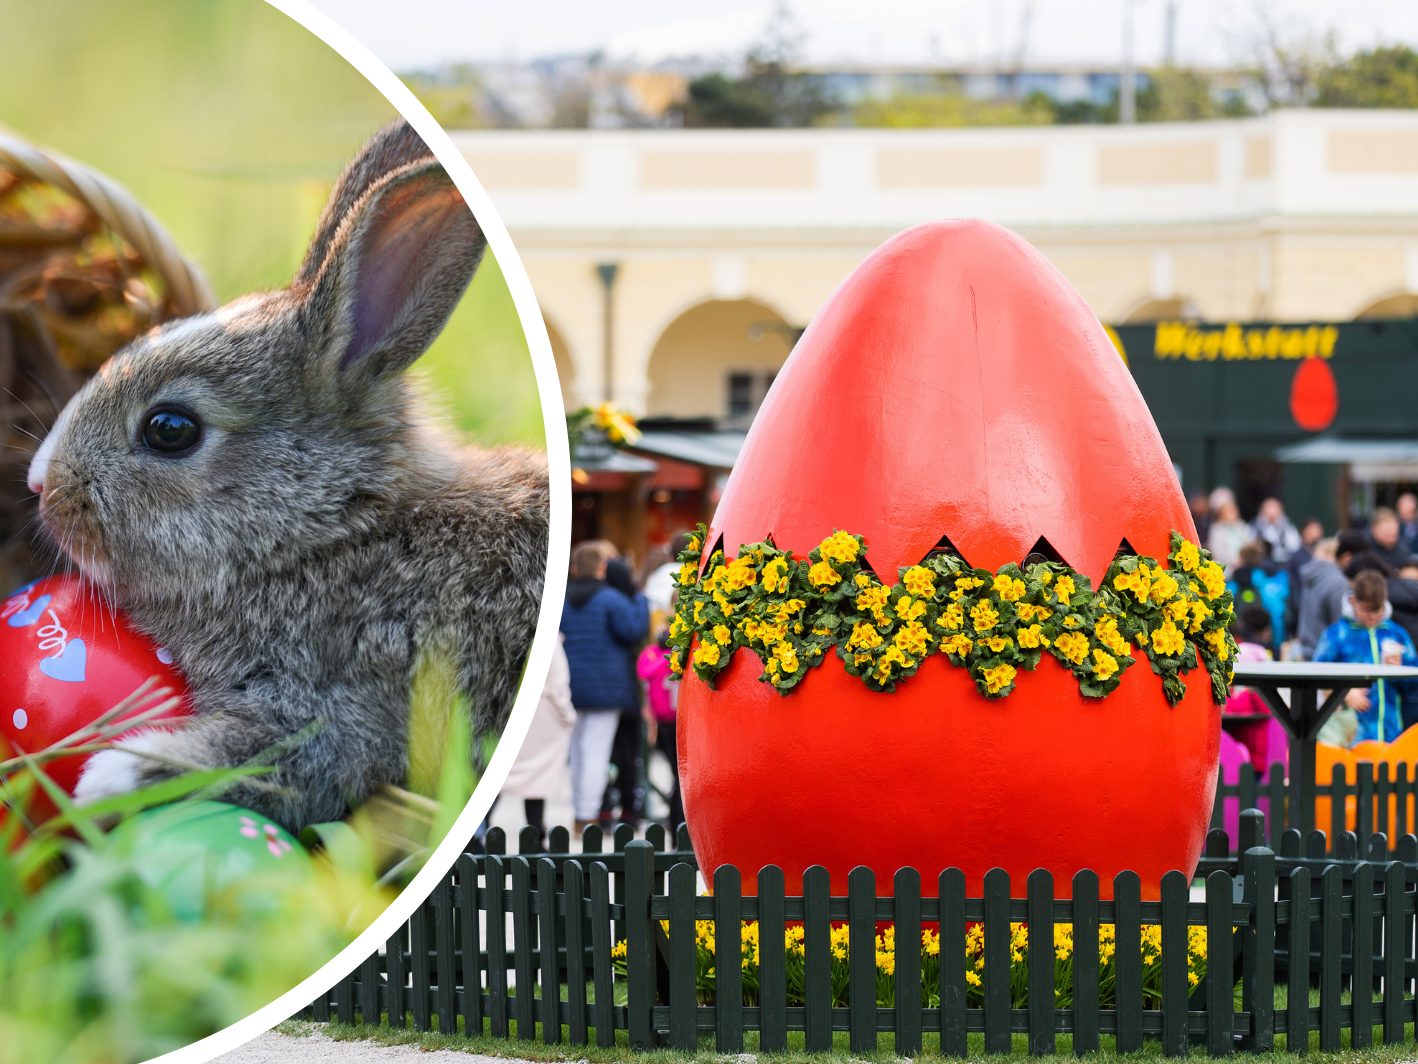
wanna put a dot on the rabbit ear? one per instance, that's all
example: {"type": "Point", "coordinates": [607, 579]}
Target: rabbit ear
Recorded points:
{"type": "Point", "coordinates": [395, 269]}
{"type": "Point", "coordinates": [392, 148]}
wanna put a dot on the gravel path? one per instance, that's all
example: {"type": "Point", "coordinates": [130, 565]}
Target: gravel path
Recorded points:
{"type": "Point", "coordinates": [318, 1048]}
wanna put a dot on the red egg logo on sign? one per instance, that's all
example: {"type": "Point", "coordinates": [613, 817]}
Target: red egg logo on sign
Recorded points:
{"type": "Point", "coordinates": [1314, 395]}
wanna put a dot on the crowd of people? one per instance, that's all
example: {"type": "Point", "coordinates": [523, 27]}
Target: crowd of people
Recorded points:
{"type": "Point", "coordinates": [1304, 595]}
{"type": "Point", "coordinates": [1301, 594]}
{"type": "Point", "coordinates": [609, 702]}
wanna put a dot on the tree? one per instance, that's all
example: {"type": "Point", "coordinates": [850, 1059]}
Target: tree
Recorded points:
{"type": "Point", "coordinates": [769, 92]}
{"type": "Point", "coordinates": [1379, 77]}
{"type": "Point", "coordinates": [1289, 61]}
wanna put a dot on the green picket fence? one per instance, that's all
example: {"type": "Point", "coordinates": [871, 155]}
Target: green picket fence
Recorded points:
{"type": "Point", "coordinates": [1377, 798]}
{"type": "Point", "coordinates": [567, 948]}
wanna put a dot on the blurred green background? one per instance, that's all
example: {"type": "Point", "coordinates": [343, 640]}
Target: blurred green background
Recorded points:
{"type": "Point", "coordinates": [229, 122]}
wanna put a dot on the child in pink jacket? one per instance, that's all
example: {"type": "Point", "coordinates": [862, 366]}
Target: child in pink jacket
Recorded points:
{"type": "Point", "coordinates": [662, 693]}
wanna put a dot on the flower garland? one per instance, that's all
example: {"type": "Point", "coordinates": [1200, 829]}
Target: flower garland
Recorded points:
{"type": "Point", "coordinates": [791, 612]}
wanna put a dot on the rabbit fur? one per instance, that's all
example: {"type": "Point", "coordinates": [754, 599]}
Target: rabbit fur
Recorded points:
{"type": "Point", "coordinates": [323, 534]}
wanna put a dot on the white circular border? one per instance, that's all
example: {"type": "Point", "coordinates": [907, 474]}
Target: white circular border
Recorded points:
{"type": "Point", "coordinates": [539, 658]}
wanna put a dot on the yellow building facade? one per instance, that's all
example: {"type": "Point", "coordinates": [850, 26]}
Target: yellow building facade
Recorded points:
{"type": "Point", "coordinates": [674, 267]}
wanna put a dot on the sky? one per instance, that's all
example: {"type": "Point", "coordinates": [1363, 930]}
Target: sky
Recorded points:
{"type": "Point", "coordinates": [426, 33]}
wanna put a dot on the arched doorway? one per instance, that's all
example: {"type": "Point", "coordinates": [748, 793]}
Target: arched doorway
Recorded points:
{"type": "Point", "coordinates": [565, 367]}
{"type": "Point", "coordinates": [1397, 305]}
{"type": "Point", "coordinates": [716, 360]}
{"type": "Point", "coordinates": [1172, 309]}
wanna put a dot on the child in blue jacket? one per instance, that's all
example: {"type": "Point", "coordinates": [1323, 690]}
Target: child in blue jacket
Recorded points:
{"type": "Point", "coordinates": [1366, 635]}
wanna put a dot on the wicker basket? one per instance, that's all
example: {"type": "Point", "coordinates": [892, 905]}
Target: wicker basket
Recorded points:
{"type": "Point", "coordinates": [83, 270]}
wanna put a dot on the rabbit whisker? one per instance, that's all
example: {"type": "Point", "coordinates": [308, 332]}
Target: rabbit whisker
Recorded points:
{"type": "Point", "coordinates": [26, 432]}
{"type": "Point", "coordinates": [54, 402]}
{"type": "Point", "coordinates": [33, 412]}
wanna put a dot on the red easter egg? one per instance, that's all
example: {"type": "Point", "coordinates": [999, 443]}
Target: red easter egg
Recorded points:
{"type": "Point", "coordinates": [1314, 395]}
{"type": "Point", "coordinates": [66, 658]}
{"type": "Point", "coordinates": [956, 387]}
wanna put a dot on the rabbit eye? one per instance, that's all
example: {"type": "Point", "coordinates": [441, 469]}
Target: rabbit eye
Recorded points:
{"type": "Point", "coordinates": [171, 431]}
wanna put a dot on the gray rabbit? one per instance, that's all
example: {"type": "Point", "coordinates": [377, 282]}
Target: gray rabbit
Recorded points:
{"type": "Point", "coordinates": [258, 490]}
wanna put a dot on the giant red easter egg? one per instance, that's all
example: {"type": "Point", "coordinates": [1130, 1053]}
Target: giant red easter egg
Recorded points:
{"type": "Point", "coordinates": [66, 658]}
{"type": "Point", "coordinates": [955, 387]}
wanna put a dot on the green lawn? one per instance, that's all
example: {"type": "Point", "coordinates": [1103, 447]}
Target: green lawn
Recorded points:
{"type": "Point", "coordinates": [623, 1054]}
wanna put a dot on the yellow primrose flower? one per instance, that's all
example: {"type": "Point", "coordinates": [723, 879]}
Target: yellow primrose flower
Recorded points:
{"type": "Point", "coordinates": [722, 635]}
{"type": "Point", "coordinates": [1178, 610]}
{"type": "Point", "coordinates": [1032, 637]}
{"type": "Point", "coordinates": [676, 663]}
{"type": "Point", "coordinates": [840, 547]}
{"type": "Point", "coordinates": [707, 654]}
{"type": "Point", "coordinates": [1063, 587]}
{"type": "Point", "coordinates": [823, 575]}
{"type": "Point", "coordinates": [1164, 587]}
{"type": "Point", "coordinates": [912, 639]}
{"type": "Point", "coordinates": [959, 645]}
{"type": "Point", "coordinates": [699, 612]}
{"type": "Point", "coordinates": [1073, 646]}
{"type": "Point", "coordinates": [741, 574]}
{"type": "Point", "coordinates": [862, 579]}
{"type": "Point", "coordinates": [687, 572]}
{"type": "Point", "coordinates": [1008, 588]}
{"type": "Point", "coordinates": [872, 599]}
{"type": "Point", "coordinates": [919, 581]}
{"type": "Point", "coordinates": [998, 678]}
{"type": "Point", "coordinates": [785, 653]}
{"type": "Point", "coordinates": [998, 643]}
{"type": "Point", "coordinates": [1213, 579]}
{"type": "Point", "coordinates": [775, 575]}
{"type": "Point", "coordinates": [1168, 640]}
{"type": "Point", "coordinates": [909, 609]}
{"type": "Point", "coordinates": [952, 618]}
{"type": "Point", "coordinates": [1104, 665]}
{"type": "Point", "coordinates": [984, 616]}
{"type": "Point", "coordinates": [677, 626]}
{"type": "Point", "coordinates": [1188, 556]}
{"type": "Point", "coordinates": [715, 578]}
{"type": "Point", "coordinates": [864, 637]}
{"type": "Point", "coordinates": [1217, 639]}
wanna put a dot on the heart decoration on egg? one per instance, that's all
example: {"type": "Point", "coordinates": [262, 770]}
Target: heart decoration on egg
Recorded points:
{"type": "Point", "coordinates": [67, 657]}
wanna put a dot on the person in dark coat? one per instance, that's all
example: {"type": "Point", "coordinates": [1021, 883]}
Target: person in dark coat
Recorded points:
{"type": "Point", "coordinates": [1385, 539]}
{"type": "Point", "coordinates": [1324, 587]}
{"type": "Point", "coordinates": [627, 751]}
{"type": "Point", "coordinates": [603, 628]}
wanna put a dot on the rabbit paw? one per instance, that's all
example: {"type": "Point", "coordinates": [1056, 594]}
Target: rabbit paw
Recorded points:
{"type": "Point", "coordinates": [116, 771]}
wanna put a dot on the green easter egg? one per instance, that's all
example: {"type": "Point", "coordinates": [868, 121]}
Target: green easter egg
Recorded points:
{"type": "Point", "coordinates": [204, 857]}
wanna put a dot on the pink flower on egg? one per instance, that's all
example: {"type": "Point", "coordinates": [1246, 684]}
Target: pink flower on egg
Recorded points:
{"type": "Point", "coordinates": [277, 846]}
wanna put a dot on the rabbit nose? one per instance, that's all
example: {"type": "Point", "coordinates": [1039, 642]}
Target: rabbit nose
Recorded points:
{"type": "Point", "coordinates": [39, 465]}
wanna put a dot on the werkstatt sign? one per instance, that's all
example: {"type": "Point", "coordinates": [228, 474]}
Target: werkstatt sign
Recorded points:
{"type": "Point", "coordinates": [1234, 342]}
